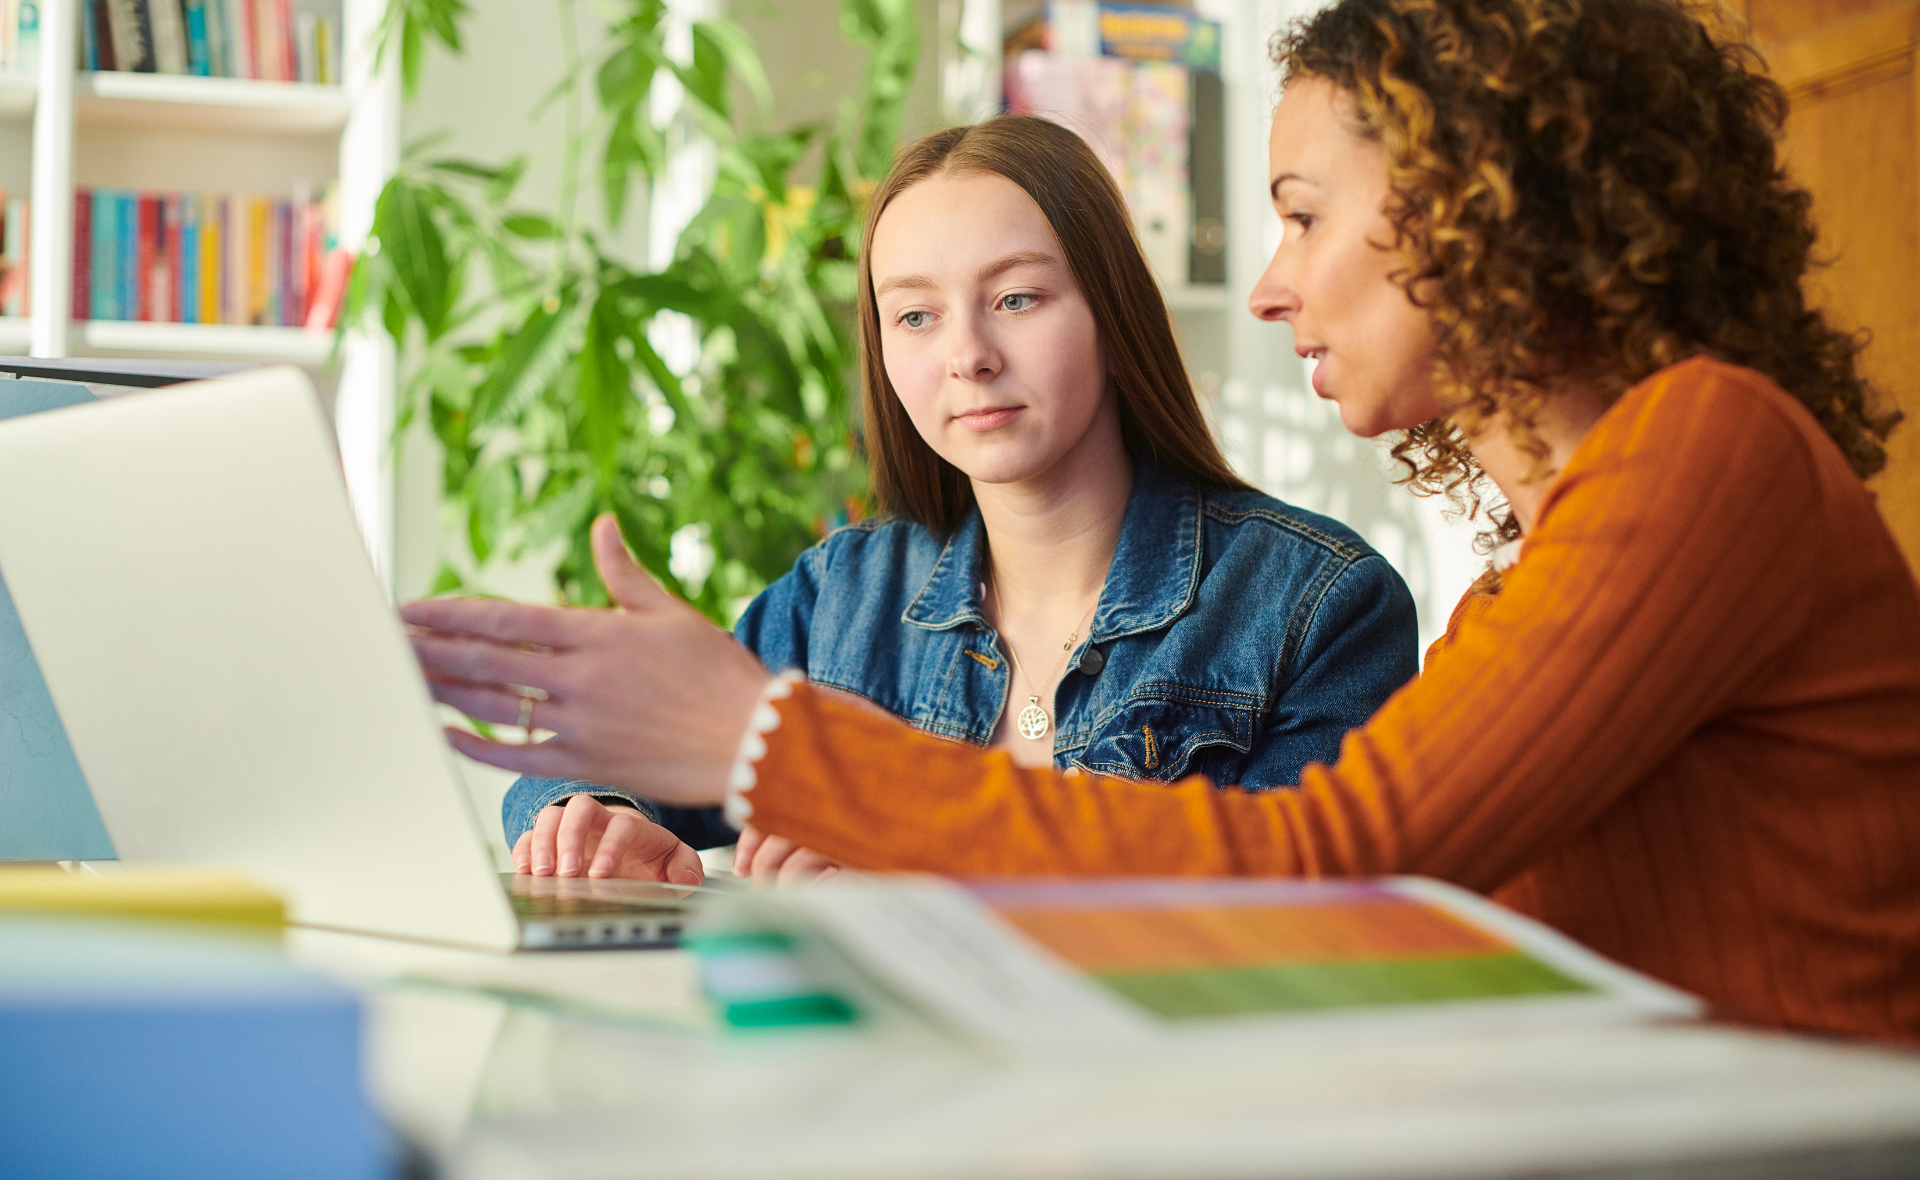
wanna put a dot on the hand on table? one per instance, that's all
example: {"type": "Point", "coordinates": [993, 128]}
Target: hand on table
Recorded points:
{"type": "Point", "coordinates": [651, 697]}
{"type": "Point", "coordinates": [585, 837]}
{"type": "Point", "coordinates": [777, 860]}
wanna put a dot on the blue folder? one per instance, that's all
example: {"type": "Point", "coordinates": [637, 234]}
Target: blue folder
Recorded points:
{"type": "Point", "coordinates": [46, 811]}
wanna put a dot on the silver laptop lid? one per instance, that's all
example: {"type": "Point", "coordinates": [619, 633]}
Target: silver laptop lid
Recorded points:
{"type": "Point", "coordinates": [236, 687]}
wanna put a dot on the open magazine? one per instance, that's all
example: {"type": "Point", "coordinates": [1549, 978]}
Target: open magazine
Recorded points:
{"type": "Point", "coordinates": [1071, 966]}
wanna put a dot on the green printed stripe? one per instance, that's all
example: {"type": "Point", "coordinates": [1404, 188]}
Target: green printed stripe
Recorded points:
{"type": "Point", "coordinates": [1237, 991]}
{"type": "Point", "coordinates": [789, 1011]}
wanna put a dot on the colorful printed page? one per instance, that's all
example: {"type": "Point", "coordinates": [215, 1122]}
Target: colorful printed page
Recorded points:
{"type": "Point", "coordinates": [1052, 967]}
{"type": "Point", "coordinates": [1187, 952]}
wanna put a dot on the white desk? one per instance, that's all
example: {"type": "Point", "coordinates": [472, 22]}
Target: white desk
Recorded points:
{"type": "Point", "coordinates": [615, 1071]}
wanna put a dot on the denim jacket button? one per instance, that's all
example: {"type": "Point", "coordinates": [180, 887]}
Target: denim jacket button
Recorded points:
{"type": "Point", "coordinates": [1092, 661]}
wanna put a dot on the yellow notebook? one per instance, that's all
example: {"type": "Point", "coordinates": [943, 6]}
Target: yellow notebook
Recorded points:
{"type": "Point", "coordinates": [183, 894]}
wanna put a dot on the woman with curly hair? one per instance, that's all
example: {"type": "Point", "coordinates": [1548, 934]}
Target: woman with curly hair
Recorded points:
{"type": "Point", "coordinates": [1552, 242]}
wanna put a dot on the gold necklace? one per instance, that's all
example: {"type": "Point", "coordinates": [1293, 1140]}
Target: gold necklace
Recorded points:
{"type": "Point", "coordinates": [1033, 721]}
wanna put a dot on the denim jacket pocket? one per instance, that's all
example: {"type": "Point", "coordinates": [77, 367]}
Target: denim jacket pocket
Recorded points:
{"type": "Point", "coordinates": [1166, 739]}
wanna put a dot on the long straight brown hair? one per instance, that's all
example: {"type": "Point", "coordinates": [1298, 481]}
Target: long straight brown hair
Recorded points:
{"type": "Point", "coordinates": [1159, 415]}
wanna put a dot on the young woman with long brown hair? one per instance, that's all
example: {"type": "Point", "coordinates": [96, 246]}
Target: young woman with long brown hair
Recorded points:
{"type": "Point", "coordinates": [1064, 566]}
{"type": "Point", "coordinates": [1554, 242]}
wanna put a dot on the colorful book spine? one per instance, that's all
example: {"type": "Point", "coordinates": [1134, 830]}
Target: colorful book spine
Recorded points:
{"type": "Point", "coordinates": [106, 262]}
{"type": "Point", "coordinates": [146, 238]}
{"type": "Point", "coordinates": [9, 31]}
{"type": "Point", "coordinates": [189, 258]}
{"type": "Point", "coordinates": [82, 254]}
{"type": "Point", "coordinates": [212, 258]}
{"type": "Point", "coordinates": [160, 278]}
{"type": "Point", "coordinates": [233, 245]}
{"type": "Point", "coordinates": [219, 50]}
{"type": "Point", "coordinates": [193, 15]}
{"type": "Point", "coordinates": [26, 42]}
{"type": "Point", "coordinates": [285, 38]}
{"type": "Point", "coordinates": [169, 26]}
{"type": "Point", "coordinates": [306, 44]}
{"type": "Point", "coordinates": [132, 35]}
{"type": "Point", "coordinates": [15, 288]}
{"type": "Point", "coordinates": [256, 273]}
{"type": "Point", "coordinates": [241, 38]}
{"type": "Point", "coordinates": [99, 27]}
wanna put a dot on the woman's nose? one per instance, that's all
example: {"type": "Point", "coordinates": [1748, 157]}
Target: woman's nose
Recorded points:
{"type": "Point", "coordinates": [974, 357]}
{"type": "Point", "coordinates": [1274, 296]}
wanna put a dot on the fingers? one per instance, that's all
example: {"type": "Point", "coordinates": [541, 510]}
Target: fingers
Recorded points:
{"type": "Point", "coordinates": [804, 865]}
{"type": "Point", "coordinates": [634, 846]}
{"type": "Point", "coordinates": [767, 859]}
{"type": "Point", "coordinates": [541, 760]}
{"type": "Point", "coordinates": [539, 840]}
{"type": "Point", "coordinates": [749, 843]}
{"type": "Point", "coordinates": [523, 853]}
{"type": "Point", "coordinates": [499, 620]}
{"type": "Point", "coordinates": [480, 662]}
{"type": "Point", "coordinates": [581, 822]}
{"type": "Point", "coordinates": [491, 705]}
{"type": "Point", "coordinates": [684, 867]}
{"type": "Point", "coordinates": [628, 584]}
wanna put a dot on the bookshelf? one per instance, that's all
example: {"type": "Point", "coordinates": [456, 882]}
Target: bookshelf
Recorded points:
{"type": "Point", "coordinates": [63, 128]}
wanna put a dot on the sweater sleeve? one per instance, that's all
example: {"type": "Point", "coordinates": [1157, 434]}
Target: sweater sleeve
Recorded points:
{"type": "Point", "coordinates": [1673, 559]}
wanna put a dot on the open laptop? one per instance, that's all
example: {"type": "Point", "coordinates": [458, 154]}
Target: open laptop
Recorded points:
{"type": "Point", "coordinates": [234, 683]}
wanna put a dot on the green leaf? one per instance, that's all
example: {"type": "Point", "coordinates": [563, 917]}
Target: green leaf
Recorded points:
{"type": "Point", "coordinates": [737, 55]}
{"type": "Point", "coordinates": [530, 226]}
{"type": "Point", "coordinates": [410, 22]}
{"type": "Point", "coordinates": [527, 361]}
{"type": "Point", "coordinates": [632, 146]}
{"type": "Point", "coordinates": [627, 75]}
{"type": "Point", "coordinates": [706, 78]}
{"type": "Point", "coordinates": [606, 388]}
{"type": "Point", "coordinates": [414, 253]}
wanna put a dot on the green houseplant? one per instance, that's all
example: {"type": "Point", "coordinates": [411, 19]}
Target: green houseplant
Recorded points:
{"type": "Point", "coordinates": [543, 365]}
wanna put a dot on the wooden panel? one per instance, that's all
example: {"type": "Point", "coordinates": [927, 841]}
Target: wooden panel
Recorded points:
{"type": "Point", "coordinates": [1777, 21]}
{"type": "Point", "coordinates": [1854, 140]}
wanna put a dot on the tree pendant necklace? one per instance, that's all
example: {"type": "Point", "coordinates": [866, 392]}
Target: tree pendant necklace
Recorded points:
{"type": "Point", "coordinates": [1032, 721]}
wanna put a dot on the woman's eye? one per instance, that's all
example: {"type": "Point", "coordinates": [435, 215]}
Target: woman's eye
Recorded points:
{"type": "Point", "coordinates": [1017, 302]}
{"type": "Point", "coordinates": [914, 319]}
{"type": "Point", "coordinates": [1303, 220]}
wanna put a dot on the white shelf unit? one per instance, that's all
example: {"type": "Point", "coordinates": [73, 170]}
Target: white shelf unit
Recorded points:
{"type": "Point", "coordinates": [158, 132]}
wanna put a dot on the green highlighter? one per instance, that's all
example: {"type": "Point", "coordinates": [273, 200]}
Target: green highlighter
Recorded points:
{"type": "Point", "coordinates": [758, 979]}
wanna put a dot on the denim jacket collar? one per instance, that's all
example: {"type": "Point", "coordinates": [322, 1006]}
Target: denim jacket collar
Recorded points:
{"type": "Point", "coordinates": [1155, 571]}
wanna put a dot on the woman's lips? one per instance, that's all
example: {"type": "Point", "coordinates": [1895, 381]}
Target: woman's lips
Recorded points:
{"type": "Point", "coordinates": [983, 420]}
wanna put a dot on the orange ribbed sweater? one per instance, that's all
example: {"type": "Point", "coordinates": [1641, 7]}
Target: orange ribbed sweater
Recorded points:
{"type": "Point", "coordinates": [1686, 732]}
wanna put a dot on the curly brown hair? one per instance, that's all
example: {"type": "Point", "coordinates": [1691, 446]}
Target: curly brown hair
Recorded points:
{"type": "Point", "coordinates": [1587, 190]}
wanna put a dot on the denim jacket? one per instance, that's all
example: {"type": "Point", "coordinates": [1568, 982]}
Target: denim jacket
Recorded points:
{"type": "Point", "coordinates": [1236, 637]}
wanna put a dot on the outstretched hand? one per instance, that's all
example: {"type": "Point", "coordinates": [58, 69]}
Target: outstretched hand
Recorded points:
{"type": "Point", "coordinates": [650, 696]}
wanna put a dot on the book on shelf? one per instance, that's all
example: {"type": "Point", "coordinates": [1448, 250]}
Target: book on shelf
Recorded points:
{"type": "Point", "coordinates": [205, 258]}
{"type": "Point", "coordinates": [263, 40]}
{"type": "Point", "coordinates": [1135, 116]}
{"type": "Point", "coordinates": [1142, 32]}
{"type": "Point", "coordinates": [19, 36]}
{"type": "Point", "coordinates": [1158, 126]}
{"type": "Point", "coordinates": [16, 239]}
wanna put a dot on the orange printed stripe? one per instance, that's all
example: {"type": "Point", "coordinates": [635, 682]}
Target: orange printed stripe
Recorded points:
{"type": "Point", "coordinates": [1152, 939]}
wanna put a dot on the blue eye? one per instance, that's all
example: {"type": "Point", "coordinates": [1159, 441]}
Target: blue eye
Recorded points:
{"type": "Point", "coordinates": [914, 319]}
{"type": "Point", "coordinates": [1009, 302]}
